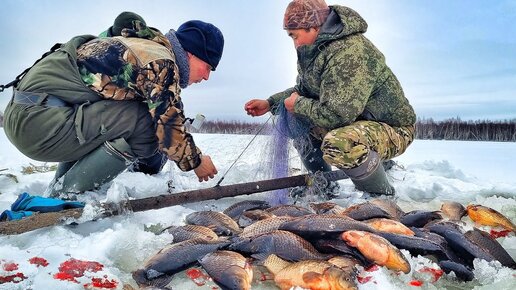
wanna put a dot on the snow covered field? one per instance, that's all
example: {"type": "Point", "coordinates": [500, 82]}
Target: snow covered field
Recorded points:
{"type": "Point", "coordinates": [428, 173]}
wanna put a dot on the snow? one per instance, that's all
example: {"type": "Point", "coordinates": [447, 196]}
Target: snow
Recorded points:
{"type": "Point", "coordinates": [427, 174]}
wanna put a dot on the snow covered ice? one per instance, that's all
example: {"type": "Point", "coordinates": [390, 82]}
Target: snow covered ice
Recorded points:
{"type": "Point", "coordinates": [427, 174]}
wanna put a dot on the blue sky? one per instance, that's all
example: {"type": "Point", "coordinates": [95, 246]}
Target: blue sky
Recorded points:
{"type": "Point", "coordinates": [454, 58]}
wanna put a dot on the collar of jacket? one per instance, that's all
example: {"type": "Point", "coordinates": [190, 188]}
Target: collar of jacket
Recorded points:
{"type": "Point", "coordinates": [331, 28]}
{"type": "Point", "coordinates": [181, 60]}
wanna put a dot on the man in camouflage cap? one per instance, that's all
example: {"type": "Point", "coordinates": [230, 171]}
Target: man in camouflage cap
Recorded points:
{"type": "Point", "coordinates": [98, 105]}
{"type": "Point", "coordinates": [355, 104]}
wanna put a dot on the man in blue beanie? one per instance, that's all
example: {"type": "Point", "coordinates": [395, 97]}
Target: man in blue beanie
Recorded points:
{"type": "Point", "coordinates": [196, 42]}
{"type": "Point", "coordinates": [98, 105]}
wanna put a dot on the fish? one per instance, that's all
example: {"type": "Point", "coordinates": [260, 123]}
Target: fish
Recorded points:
{"type": "Point", "coordinates": [234, 211]}
{"type": "Point", "coordinates": [454, 235]}
{"type": "Point", "coordinates": [264, 226]}
{"type": "Point", "coordinates": [309, 274]}
{"type": "Point", "coordinates": [419, 218]}
{"type": "Point", "coordinates": [188, 232]}
{"type": "Point", "coordinates": [366, 211]}
{"type": "Point", "coordinates": [326, 208]}
{"type": "Point", "coordinates": [251, 216]}
{"type": "Point", "coordinates": [158, 270]}
{"type": "Point", "coordinates": [346, 263]}
{"type": "Point", "coordinates": [453, 210]}
{"type": "Point", "coordinates": [491, 245]}
{"type": "Point", "coordinates": [420, 246]}
{"type": "Point", "coordinates": [461, 271]}
{"type": "Point", "coordinates": [439, 240]}
{"type": "Point", "coordinates": [378, 250]}
{"type": "Point", "coordinates": [288, 210]}
{"type": "Point", "coordinates": [389, 206]}
{"type": "Point", "coordinates": [389, 226]}
{"type": "Point", "coordinates": [489, 217]}
{"type": "Point", "coordinates": [340, 248]}
{"type": "Point", "coordinates": [317, 226]}
{"type": "Point", "coordinates": [229, 270]}
{"type": "Point", "coordinates": [220, 223]}
{"type": "Point", "coordinates": [284, 244]}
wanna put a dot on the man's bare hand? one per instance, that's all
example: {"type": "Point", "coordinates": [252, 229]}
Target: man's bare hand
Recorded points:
{"type": "Point", "coordinates": [256, 107]}
{"type": "Point", "coordinates": [206, 170]}
{"type": "Point", "coordinates": [291, 101]}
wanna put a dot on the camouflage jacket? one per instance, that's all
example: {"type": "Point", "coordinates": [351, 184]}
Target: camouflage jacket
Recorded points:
{"type": "Point", "coordinates": [142, 68]}
{"type": "Point", "coordinates": [343, 78]}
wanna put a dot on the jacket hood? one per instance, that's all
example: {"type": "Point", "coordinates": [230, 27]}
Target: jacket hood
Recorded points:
{"type": "Point", "coordinates": [342, 21]}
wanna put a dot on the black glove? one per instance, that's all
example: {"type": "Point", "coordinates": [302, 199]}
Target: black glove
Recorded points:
{"type": "Point", "coordinates": [151, 165]}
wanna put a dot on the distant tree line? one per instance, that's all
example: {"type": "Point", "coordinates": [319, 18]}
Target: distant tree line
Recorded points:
{"type": "Point", "coordinates": [428, 129]}
{"type": "Point", "coordinates": [456, 129]}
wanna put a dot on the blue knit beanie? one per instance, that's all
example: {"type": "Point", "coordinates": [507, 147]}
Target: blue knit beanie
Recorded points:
{"type": "Point", "coordinates": [203, 40]}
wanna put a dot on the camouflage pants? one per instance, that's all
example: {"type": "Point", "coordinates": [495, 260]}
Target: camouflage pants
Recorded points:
{"type": "Point", "coordinates": [347, 147]}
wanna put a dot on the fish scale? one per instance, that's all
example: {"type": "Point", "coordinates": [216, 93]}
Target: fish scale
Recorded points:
{"type": "Point", "coordinates": [228, 269]}
{"type": "Point", "coordinates": [220, 223]}
{"type": "Point", "coordinates": [284, 244]}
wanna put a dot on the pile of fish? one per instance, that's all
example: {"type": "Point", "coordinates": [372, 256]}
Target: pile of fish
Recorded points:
{"type": "Point", "coordinates": [321, 245]}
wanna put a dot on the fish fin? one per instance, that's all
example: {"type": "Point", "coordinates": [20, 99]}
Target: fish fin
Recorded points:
{"type": "Point", "coordinates": [313, 278]}
{"type": "Point", "coordinates": [161, 282]}
{"type": "Point", "coordinates": [260, 256]}
{"type": "Point", "coordinates": [140, 276]}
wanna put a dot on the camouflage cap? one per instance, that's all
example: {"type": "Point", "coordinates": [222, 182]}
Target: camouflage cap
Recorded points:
{"type": "Point", "coordinates": [305, 14]}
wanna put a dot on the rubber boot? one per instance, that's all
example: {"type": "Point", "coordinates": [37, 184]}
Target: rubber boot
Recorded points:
{"type": "Point", "coordinates": [62, 168]}
{"type": "Point", "coordinates": [312, 160]}
{"type": "Point", "coordinates": [370, 176]}
{"type": "Point", "coordinates": [388, 164]}
{"type": "Point", "coordinates": [96, 168]}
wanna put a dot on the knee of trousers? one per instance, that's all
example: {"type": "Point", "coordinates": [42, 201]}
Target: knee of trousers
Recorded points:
{"type": "Point", "coordinates": [343, 148]}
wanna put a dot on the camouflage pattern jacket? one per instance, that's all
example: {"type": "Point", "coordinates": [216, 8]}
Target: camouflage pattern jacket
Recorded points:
{"type": "Point", "coordinates": [142, 68]}
{"type": "Point", "coordinates": [139, 65]}
{"type": "Point", "coordinates": [343, 78]}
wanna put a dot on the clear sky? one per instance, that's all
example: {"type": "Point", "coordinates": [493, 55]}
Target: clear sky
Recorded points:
{"type": "Point", "coordinates": [454, 58]}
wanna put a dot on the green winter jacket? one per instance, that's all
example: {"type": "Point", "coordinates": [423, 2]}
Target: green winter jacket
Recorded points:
{"type": "Point", "coordinates": [343, 78]}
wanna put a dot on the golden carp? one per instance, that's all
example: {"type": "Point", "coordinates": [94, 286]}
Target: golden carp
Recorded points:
{"type": "Point", "coordinates": [489, 217]}
{"type": "Point", "coordinates": [309, 274]}
{"type": "Point", "coordinates": [346, 263]}
{"type": "Point", "coordinates": [389, 226]}
{"type": "Point", "coordinates": [377, 249]}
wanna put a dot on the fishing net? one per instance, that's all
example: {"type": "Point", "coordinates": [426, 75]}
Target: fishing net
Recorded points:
{"type": "Point", "coordinates": [286, 127]}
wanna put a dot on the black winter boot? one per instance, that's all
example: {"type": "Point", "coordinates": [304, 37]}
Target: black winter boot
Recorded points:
{"type": "Point", "coordinates": [370, 176]}
{"type": "Point", "coordinates": [309, 150]}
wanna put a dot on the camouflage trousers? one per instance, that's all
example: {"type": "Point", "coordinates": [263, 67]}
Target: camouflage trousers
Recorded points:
{"type": "Point", "coordinates": [348, 147]}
